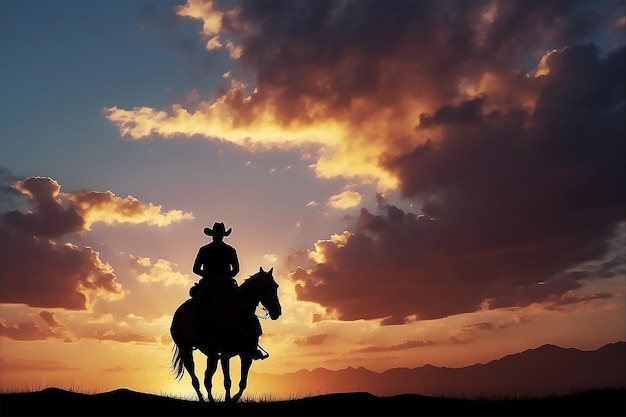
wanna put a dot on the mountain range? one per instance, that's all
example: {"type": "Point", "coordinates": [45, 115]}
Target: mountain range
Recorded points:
{"type": "Point", "coordinates": [543, 371]}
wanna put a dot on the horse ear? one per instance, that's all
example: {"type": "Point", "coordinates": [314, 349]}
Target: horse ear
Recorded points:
{"type": "Point", "coordinates": [260, 269]}
{"type": "Point", "coordinates": [271, 270]}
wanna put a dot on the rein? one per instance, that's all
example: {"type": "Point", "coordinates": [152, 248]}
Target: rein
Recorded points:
{"type": "Point", "coordinates": [264, 316]}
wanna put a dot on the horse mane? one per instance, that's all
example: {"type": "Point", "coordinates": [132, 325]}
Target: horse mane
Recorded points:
{"type": "Point", "coordinates": [250, 279]}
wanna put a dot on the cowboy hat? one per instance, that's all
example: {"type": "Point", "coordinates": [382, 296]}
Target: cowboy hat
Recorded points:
{"type": "Point", "coordinates": [218, 230]}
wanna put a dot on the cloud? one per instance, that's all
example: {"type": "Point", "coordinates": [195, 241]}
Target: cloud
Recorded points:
{"type": "Point", "coordinates": [23, 331]}
{"type": "Point", "coordinates": [12, 199]}
{"type": "Point", "coordinates": [212, 21]}
{"type": "Point", "coordinates": [345, 200]}
{"type": "Point", "coordinates": [512, 200]}
{"type": "Point", "coordinates": [314, 340]}
{"type": "Point", "coordinates": [114, 336]}
{"type": "Point", "coordinates": [40, 271]}
{"type": "Point", "coordinates": [29, 330]}
{"type": "Point", "coordinates": [27, 365]}
{"type": "Point", "coordinates": [106, 207]}
{"type": "Point", "coordinates": [350, 79]}
{"type": "Point", "coordinates": [469, 332]}
{"type": "Point", "coordinates": [139, 262]}
{"type": "Point", "coordinates": [102, 318]}
{"type": "Point", "coordinates": [270, 257]}
{"type": "Point", "coordinates": [571, 298]}
{"type": "Point", "coordinates": [50, 218]}
{"type": "Point", "coordinates": [56, 214]}
{"type": "Point", "coordinates": [401, 267]}
{"type": "Point", "coordinates": [407, 344]}
{"type": "Point", "coordinates": [504, 120]}
{"type": "Point", "coordinates": [50, 319]}
{"type": "Point", "coordinates": [161, 271]}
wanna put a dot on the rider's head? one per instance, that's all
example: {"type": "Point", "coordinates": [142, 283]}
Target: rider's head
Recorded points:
{"type": "Point", "coordinates": [218, 232]}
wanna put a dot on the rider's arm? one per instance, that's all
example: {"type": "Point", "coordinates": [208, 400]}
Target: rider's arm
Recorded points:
{"type": "Point", "coordinates": [234, 265]}
{"type": "Point", "coordinates": [197, 265]}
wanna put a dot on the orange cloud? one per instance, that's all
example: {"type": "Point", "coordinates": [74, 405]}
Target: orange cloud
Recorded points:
{"type": "Point", "coordinates": [162, 271]}
{"type": "Point", "coordinates": [313, 340]}
{"type": "Point", "coordinates": [124, 337]}
{"type": "Point", "coordinates": [212, 23]}
{"type": "Point", "coordinates": [106, 207]}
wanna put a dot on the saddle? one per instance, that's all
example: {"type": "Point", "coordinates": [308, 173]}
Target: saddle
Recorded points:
{"type": "Point", "coordinates": [209, 301]}
{"type": "Point", "coordinates": [204, 289]}
{"type": "Point", "coordinates": [210, 297]}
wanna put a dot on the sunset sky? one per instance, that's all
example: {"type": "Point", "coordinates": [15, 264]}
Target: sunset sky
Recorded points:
{"type": "Point", "coordinates": [433, 182]}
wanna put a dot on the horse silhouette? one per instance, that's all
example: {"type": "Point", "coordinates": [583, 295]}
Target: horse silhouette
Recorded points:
{"type": "Point", "coordinates": [235, 331]}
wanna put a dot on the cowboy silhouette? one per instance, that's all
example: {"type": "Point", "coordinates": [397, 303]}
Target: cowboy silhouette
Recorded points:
{"type": "Point", "coordinates": [218, 265]}
{"type": "Point", "coordinates": [217, 262]}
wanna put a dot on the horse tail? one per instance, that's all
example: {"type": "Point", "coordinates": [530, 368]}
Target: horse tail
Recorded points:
{"type": "Point", "coordinates": [177, 364]}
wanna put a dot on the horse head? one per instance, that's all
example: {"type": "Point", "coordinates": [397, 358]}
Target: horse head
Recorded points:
{"type": "Point", "coordinates": [267, 291]}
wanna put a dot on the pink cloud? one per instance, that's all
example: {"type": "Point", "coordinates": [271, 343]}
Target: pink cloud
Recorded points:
{"type": "Point", "coordinates": [39, 271]}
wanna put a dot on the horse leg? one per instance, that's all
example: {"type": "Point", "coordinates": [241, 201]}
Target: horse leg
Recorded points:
{"type": "Point", "coordinates": [246, 362]}
{"type": "Point", "coordinates": [225, 360]}
{"type": "Point", "coordinates": [187, 357]}
{"type": "Point", "coordinates": [211, 367]}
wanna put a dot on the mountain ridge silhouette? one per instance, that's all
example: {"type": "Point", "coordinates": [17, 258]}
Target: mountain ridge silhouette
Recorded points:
{"type": "Point", "coordinates": [545, 370]}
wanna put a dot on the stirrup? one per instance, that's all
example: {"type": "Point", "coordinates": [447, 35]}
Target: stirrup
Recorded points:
{"type": "Point", "coordinates": [260, 354]}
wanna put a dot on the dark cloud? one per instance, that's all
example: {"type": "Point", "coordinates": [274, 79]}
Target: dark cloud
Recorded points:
{"type": "Point", "coordinates": [333, 53]}
{"type": "Point", "coordinates": [465, 113]}
{"type": "Point", "coordinates": [49, 218]}
{"type": "Point", "coordinates": [29, 330]}
{"type": "Point", "coordinates": [513, 200]}
{"type": "Point", "coordinates": [553, 177]}
{"type": "Point", "coordinates": [40, 272]}
{"type": "Point", "coordinates": [50, 319]}
{"type": "Point", "coordinates": [24, 331]}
